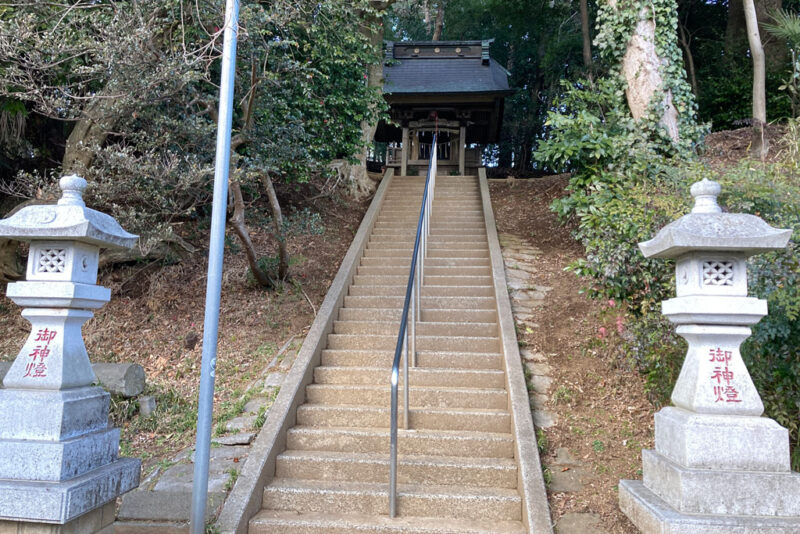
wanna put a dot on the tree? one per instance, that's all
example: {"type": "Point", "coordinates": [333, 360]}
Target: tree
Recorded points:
{"type": "Point", "coordinates": [642, 41]}
{"type": "Point", "coordinates": [133, 85]}
{"type": "Point", "coordinates": [586, 34]}
{"type": "Point", "coordinates": [759, 146]}
{"type": "Point", "coordinates": [360, 184]}
{"type": "Point", "coordinates": [438, 26]}
{"type": "Point", "coordinates": [737, 39]}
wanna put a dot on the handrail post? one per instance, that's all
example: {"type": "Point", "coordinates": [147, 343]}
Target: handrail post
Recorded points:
{"type": "Point", "coordinates": [418, 291]}
{"type": "Point", "coordinates": [405, 382]}
{"type": "Point", "coordinates": [393, 450]}
{"type": "Point", "coordinates": [413, 328]}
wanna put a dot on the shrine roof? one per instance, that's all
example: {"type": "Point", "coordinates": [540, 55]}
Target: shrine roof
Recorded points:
{"type": "Point", "coordinates": [443, 67]}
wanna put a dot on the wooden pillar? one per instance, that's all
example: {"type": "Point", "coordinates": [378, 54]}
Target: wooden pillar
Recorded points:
{"type": "Point", "coordinates": [462, 150]}
{"type": "Point", "coordinates": [406, 150]}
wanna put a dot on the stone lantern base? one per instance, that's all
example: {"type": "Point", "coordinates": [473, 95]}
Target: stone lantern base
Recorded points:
{"type": "Point", "coordinates": [714, 474]}
{"type": "Point", "coordinates": [98, 521]}
{"type": "Point", "coordinates": [58, 457]}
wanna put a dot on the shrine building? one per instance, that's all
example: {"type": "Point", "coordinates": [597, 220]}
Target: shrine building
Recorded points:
{"type": "Point", "coordinates": [454, 86]}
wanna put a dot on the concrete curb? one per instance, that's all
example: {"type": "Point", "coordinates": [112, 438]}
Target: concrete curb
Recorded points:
{"type": "Point", "coordinates": [245, 499]}
{"type": "Point", "coordinates": [535, 509]}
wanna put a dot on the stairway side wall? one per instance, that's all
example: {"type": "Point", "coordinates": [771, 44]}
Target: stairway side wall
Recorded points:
{"type": "Point", "coordinates": [535, 510]}
{"type": "Point", "coordinates": [246, 497]}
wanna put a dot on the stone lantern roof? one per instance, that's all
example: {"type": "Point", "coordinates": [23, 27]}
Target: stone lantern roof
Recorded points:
{"type": "Point", "coordinates": [69, 220]}
{"type": "Point", "coordinates": [706, 228]}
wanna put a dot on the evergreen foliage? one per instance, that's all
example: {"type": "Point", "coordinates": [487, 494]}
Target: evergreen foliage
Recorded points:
{"type": "Point", "coordinates": [146, 73]}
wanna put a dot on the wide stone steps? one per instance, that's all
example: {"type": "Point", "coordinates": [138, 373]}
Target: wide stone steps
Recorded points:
{"type": "Point", "coordinates": [449, 343]}
{"type": "Point", "coordinates": [428, 316]}
{"type": "Point", "coordinates": [377, 327]}
{"type": "Point", "coordinates": [411, 469]}
{"type": "Point", "coordinates": [426, 359]}
{"type": "Point", "coordinates": [480, 420]}
{"type": "Point", "coordinates": [433, 244]}
{"type": "Point", "coordinates": [398, 261]}
{"type": "Point", "coordinates": [324, 523]}
{"type": "Point", "coordinates": [433, 253]}
{"type": "Point", "coordinates": [427, 291]}
{"type": "Point", "coordinates": [445, 272]}
{"type": "Point", "coordinates": [428, 280]}
{"type": "Point", "coordinates": [428, 303]}
{"type": "Point", "coordinates": [419, 442]}
{"type": "Point", "coordinates": [460, 502]}
{"type": "Point", "coordinates": [456, 466]}
{"type": "Point", "coordinates": [420, 376]}
{"type": "Point", "coordinates": [435, 397]}
{"type": "Point", "coordinates": [405, 236]}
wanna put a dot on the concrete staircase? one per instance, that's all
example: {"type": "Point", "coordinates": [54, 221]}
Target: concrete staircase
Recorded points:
{"type": "Point", "coordinates": [457, 471]}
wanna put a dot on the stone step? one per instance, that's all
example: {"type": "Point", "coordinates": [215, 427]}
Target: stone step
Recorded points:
{"type": "Point", "coordinates": [473, 225]}
{"type": "Point", "coordinates": [433, 253]}
{"type": "Point", "coordinates": [405, 261]}
{"type": "Point", "coordinates": [473, 230]}
{"type": "Point", "coordinates": [475, 420]}
{"type": "Point", "coordinates": [428, 359]}
{"type": "Point", "coordinates": [411, 469]}
{"type": "Point", "coordinates": [420, 377]}
{"type": "Point", "coordinates": [427, 303]}
{"type": "Point", "coordinates": [403, 237]}
{"type": "Point", "coordinates": [443, 272]}
{"type": "Point", "coordinates": [438, 220]}
{"type": "Point", "coordinates": [451, 206]}
{"type": "Point", "coordinates": [427, 291]}
{"type": "Point", "coordinates": [433, 244]}
{"type": "Point", "coordinates": [372, 440]}
{"type": "Point", "coordinates": [434, 397]}
{"type": "Point", "coordinates": [440, 316]}
{"type": "Point", "coordinates": [445, 343]}
{"type": "Point", "coordinates": [442, 226]}
{"type": "Point", "coordinates": [436, 280]}
{"type": "Point", "coordinates": [413, 500]}
{"type": "Point", "coordinates": [376, 327]}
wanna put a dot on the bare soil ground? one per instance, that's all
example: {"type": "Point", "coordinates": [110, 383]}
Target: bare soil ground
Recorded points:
{"type": "Point", "coordinates": [155, 317]}
{"type": "Point", "coordinates": [604, 417]}
{"type": "Point", "coordinates": [726, 148]}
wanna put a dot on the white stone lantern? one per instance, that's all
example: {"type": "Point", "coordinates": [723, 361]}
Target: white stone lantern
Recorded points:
{"type": "Point", "coordinates": [58, 455]}
{"type": "Point", "coordinates": [718, 467]}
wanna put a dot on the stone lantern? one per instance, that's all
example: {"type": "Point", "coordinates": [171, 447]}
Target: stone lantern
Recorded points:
{"type": "Point", "coordinates": [718, 467]}
{"type": "Point", "coordinates": [58, 454]}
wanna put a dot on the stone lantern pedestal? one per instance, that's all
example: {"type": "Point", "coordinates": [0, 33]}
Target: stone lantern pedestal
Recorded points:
{"type": "Point", "coordinates": [718, 467]}
{"type": "Point", "coordinates": [58, 455]}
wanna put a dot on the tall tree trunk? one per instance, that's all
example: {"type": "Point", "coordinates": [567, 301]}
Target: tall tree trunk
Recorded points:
{"type": "Point", "coordinates": [687, 53]}
{"type": "Point", "coordinates": [360, 185]}
{"type": "Point", "coordinates": [439, 25]}
{"type": "Point", "coordinates": [89, 132]}
{"type": "Point", "coordinates": [587, 38]}
{"type": "Point", "coordinates": [760, 146]}
{"type": "Point", "coordinates": [239, 226]}
{"type": "Point", "coordinates": [641, 70]}
{"type": "Point", "coordinates": [426, 15]}
{"type": "Point", "coordinates": [277, 219]}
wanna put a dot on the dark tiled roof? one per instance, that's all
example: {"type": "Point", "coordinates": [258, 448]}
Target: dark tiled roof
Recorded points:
{"type": "Point", "coordinates": [451, 75]}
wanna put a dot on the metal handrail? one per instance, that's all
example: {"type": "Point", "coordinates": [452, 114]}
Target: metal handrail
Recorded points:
{"type": "Point", "coordinates": [412, 303]}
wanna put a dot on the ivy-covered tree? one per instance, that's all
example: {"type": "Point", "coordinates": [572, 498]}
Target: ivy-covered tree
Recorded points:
{"type": "Point", "coordinates": [640, 43]}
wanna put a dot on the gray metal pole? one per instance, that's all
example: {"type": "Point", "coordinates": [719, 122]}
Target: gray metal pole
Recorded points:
{"type": "Point", "coordinates": [215, 259]}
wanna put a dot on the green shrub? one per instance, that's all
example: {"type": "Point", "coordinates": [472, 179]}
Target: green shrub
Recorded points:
{"type": "Point", "coordinates": [627, 185]}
